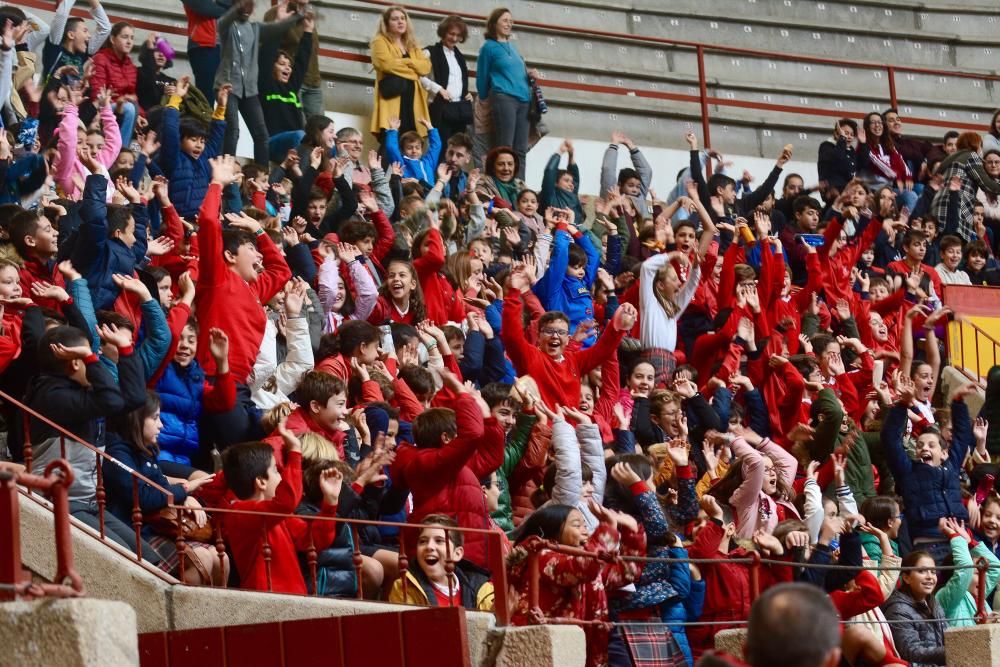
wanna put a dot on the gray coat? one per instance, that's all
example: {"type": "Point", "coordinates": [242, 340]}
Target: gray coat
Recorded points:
{"type": "Point", "coordinates": [921, 643]}
{"type": "Point", "coordinates": [240, 42]}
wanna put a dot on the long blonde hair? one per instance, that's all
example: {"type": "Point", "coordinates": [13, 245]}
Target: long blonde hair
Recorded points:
{"type": "Point", "coordinates": [671, 308]}
{"type": "Point", "coordinates": [408, 37]}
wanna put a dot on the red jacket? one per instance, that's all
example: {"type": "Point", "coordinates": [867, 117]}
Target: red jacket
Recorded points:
{"type": "Point", "coordinates": [727, 587]}
{"type": "Point", "coordinates": [110, 71]}
{"type": "Point", "coordinates": [445, 479]}
{"type": "Point", "coordinates": [558, 381]}
{"type": "Point", "coordinates": [245, 534]}
{"type": "Point", "coordinates": [202, 29]}
{"type": "Point", "coordinates": [225, 300]}
{"type": "Point", "coordinates": [300, 422]}
{"type": "Point", "coordinates": [10, 336]}
{"type": "Point", "coordinates": [35, 271]}
{"type": "Point", "coordinates": [444, 302]}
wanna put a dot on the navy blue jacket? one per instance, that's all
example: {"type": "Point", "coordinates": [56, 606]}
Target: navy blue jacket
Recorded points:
{"type": "Point", "coordinates": [929, 493]}
{"type": "Point", "coordinates": [118, 481]}
{"type": "Point", "coordinates": [189, 178]}
{"type": "Point", "coordinates": [97, 256]}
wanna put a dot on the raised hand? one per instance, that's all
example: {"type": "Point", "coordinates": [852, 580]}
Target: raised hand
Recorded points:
{"type": "Point", "coordinates": [622, 473]}
{"type": "Point", "coordinates": [224, 169]}
{"type": "Point", "coordinates": [44, 290]}
{"type": "Point", "coordinates": [218, 345]}
{"type": "Point", "coordinates": [133, 285]}
{"type": "Point", "coordinates": [159, 246]}
{"type": "Point", "coordinates": [120, 337]}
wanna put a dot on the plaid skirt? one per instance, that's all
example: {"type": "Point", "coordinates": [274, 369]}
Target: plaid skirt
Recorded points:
{"type": "Point", "coordinates": [170, 560]}
{"type": "Point", "coordinates": [663, 362]}
{"type": "Point", "coordinates": [652, 645]}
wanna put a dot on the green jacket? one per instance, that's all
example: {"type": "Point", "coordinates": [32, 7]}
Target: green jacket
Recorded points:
{"type": "Point", "coordinates": [954, 597]}
{"type": "Point", "coordinates": [517, 442]}
{"type": "Point", "coordinates": [858, 474]}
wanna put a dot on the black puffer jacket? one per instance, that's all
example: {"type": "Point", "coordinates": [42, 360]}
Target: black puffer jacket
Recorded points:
{"type": "Point", "coordinates": [921, 643]}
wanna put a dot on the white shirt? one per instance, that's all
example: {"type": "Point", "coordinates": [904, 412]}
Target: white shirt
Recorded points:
{"type": "Point", "coordinates": [656, 329]}
{"type": "Point", "coordinates": [454, 86]}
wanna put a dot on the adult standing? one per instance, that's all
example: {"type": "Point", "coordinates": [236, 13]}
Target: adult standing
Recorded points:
{"type": "Point", "coordinates": [203, 44]}
{"type": "Point", "coordinates": [399, 63]}
{"type": "Point", "coordinates": [502, 78]}
{"type": "Point", "coordinates": [448, 82]}
{"type": "Point", "coordinates": [966, 164]}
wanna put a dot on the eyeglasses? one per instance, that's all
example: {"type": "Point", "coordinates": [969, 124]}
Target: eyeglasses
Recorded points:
{"type": "Point", "coordinates": [554, 333]}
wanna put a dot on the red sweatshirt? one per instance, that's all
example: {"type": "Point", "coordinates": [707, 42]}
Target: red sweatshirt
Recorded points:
{"type": "Point", "coordinates": [444, 302]}
{"type": "Point", "coordinates": [34, 271]}
{"type": "Point", "coordinates": [245, 534]}
{"type": "Point", "coordinates": [225, 300]}
{"type": "Point", "coordinates": [558, 381]}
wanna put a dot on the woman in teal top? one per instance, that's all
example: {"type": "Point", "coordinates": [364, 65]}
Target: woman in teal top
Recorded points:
{"type": "Point", "coordinates": [502, 78]}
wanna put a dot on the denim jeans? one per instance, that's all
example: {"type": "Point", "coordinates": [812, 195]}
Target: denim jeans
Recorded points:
{"type": "Point", "coordinates": [279, 144]}
{"type": "Point", "coordinates": [249, 108]}
{"type": "Point", "coordinates": [510, 122]}
{"type": "Point", "coordinates": [126, 123]}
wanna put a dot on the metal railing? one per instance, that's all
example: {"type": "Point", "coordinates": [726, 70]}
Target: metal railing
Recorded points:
{"type": "Point", "coordinates": [971, 349]}
{"type": "Point", "coordinates": [703, 99]}
{"type": "Point", "coordinates": [15, 583]}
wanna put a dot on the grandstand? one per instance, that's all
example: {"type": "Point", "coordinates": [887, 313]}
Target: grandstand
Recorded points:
{"type": "Point", "coordinates": [748, 78]}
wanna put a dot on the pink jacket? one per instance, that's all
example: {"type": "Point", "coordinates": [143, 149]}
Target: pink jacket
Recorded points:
{"type": "Point", "coordinates": [70, 173]}
{"type": "Point", "coordinates": [365, 292]}
{"type": "Point", "coordinates": [748, 499]}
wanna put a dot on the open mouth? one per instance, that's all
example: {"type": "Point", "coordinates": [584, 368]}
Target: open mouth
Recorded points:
{"type": "Point", "coordinates": [926, 457]}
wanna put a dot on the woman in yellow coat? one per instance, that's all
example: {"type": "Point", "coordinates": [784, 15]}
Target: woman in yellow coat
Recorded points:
{"type": "Point", "coordinates": [395, 51]}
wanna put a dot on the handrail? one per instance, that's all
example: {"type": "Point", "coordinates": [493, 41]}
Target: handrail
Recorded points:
{"type": "Point", "coordinates": [14, 582]}
{"type": "Point", "coordinates": [958, 357]}
{"type": "Point", "coordinates": [493, 538]}
{"type": "Point", "coordinates": [703, 98]}
{"type": "Point", "coordinates": [100, 456]}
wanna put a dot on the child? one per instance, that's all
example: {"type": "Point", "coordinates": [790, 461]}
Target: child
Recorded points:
{"type": "Point", "coordinates": [417, 163]}
{"type": "Point", "coordinates": [957, 589]}
{"type": "Point", "coordinates": [428, 583]}
{"type": "Point", "coordinates": [920, 635]}
{"type": "Point", "coordinates": [111, 239]}
{"type": "Point", "coordinates": [322, 408]}
{"type": "Point", "coordinates": [977, 258]}
{"type": "Point", "coordinates": [400, 297]}
{"type": "Point", "coordinates": [575, 586]}
{"type": "Point", "coordinates": [516, 425]}
{"type": "Point", "coordinates": [566, 284]}
{"type": "Point", "coordinates": [72, 44]}
{"type": "Point", "coordinates": [951, 257]}
{"type": "Point", "coordinates": [75, 160]}
{"type": "Point", "coordinates": [374, 239]}
{"type": "Point", "coordinates": [185, 393]}
{"type": "Point", "coordinates": [229, 297]}
{"type": "Point", "coordinates": [883, 513]}
{"type": "Point", "coordinates": [354, 342]}
{"type": "Point", "coordinates": [187, 148]}
{"type": "Point", "coordinates": [37, 242]}
{"type": "Point", "coordinates": [444, 301]}
{"type": "Point", "coordinates": [556, 370]}
{"type": "Point", "coordinates": [561, 187]}
{"type": "Point", "coordinates": [280, 81]}
{"type": "Point", "coordinates": [335, 573]}
{"type": "Point", "coordinates": [256, 485]}
{"type": "Point", "coordinates": [451, 451]}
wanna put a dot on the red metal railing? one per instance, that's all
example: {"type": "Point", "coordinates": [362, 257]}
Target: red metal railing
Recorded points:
{"type": "Point", "coordinates": [14, 581]}
{"type": "Point", "coordinates": [100, 457]}
{"type": "Point", "coordinates": [703, 98]}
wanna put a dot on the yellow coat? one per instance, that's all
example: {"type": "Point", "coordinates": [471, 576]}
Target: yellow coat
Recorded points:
{"type": "Point", "coordinates": [415, 594]}
{"type": "Point", "coordinates": [387, 58]}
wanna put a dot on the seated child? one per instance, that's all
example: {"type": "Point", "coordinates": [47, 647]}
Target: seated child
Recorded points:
{"type": "Point", "coordinates": [417, 163]}
{"type": "Point", "coordinates": [255, 484]}
{"type": "Point", "coordinates": [428, 584]}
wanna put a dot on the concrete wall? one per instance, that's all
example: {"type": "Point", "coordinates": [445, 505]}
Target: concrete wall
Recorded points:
{"type": "Point", "coordinates": [160, 604]}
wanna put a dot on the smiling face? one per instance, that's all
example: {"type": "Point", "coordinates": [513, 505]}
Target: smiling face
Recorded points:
{"type": "Point", "coordinates": [880, 332]}
{"type": "Point", "coordinates": [282, 70]}
{"type": "Point", "coordinates": [586, 399]}
{"type": "Point", "coordinates": [685, 239]}
{"type": "Point", "coordinates": [45, 241]}
{"type": "Point", "coordinates": [875, 126]}
{"type": "Point", "coordinates": [642, 378]}
{"type": "Point", "coordinates": [245, 262]}
{"type": "Point", "coordinates": [433, 551]}
{"type": "Point", "coordinates": [921, 582]}
{"type": "Point", "coordinates": [193, 146]}
{"type": "Point", "coordinates": [10, 283]}
{"type": "Point", "coordinates": [504, 167]}
{"type": "Point", "coordinates": [574, 531]}
{"type": "Point", "coordinates": [976, 262]}
{"type": "Point", "coordinates": [923, 378]}
{"type": "Point", "coordinates": [553, 337]}
{"type": "Point", "coordinates": [187, 347]}
{"type": "Point", "coordinates": [989, 519]}
{"type": "Point", "coordinates": [565, 182]}
{"type": "Point", "coordinates": [505, 25]}
{"type": "Point", "coordinates": [951, 257]}
{"type": "Point", "coordinates": [330, 414]}
{"type": "Point", "coordinates": [400, 282]}
{"type": "Point", "coordinates": [527, 204]}
{"type": "Point", "coordinates": [894, 122]}
{"type": "Point", "coordinates": [929, 449]}
{"type": "Point", "coordinates": [351, 146]}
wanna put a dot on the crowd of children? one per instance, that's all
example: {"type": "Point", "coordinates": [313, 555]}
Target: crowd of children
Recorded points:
{"type": "Point", "coordinates": [402, 336]}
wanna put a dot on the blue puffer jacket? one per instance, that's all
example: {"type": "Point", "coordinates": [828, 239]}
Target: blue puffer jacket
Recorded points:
{"type": "Point", "coordinates": [181, 392]}
{"type": "Point", "coordinates": [98, 257]}
{"type": "Point", "coordinates": [929, 492]}
{"type": "Point", "coordinates": [189, 178]}
{"type": "Point", "coordinates": [559, 291]}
